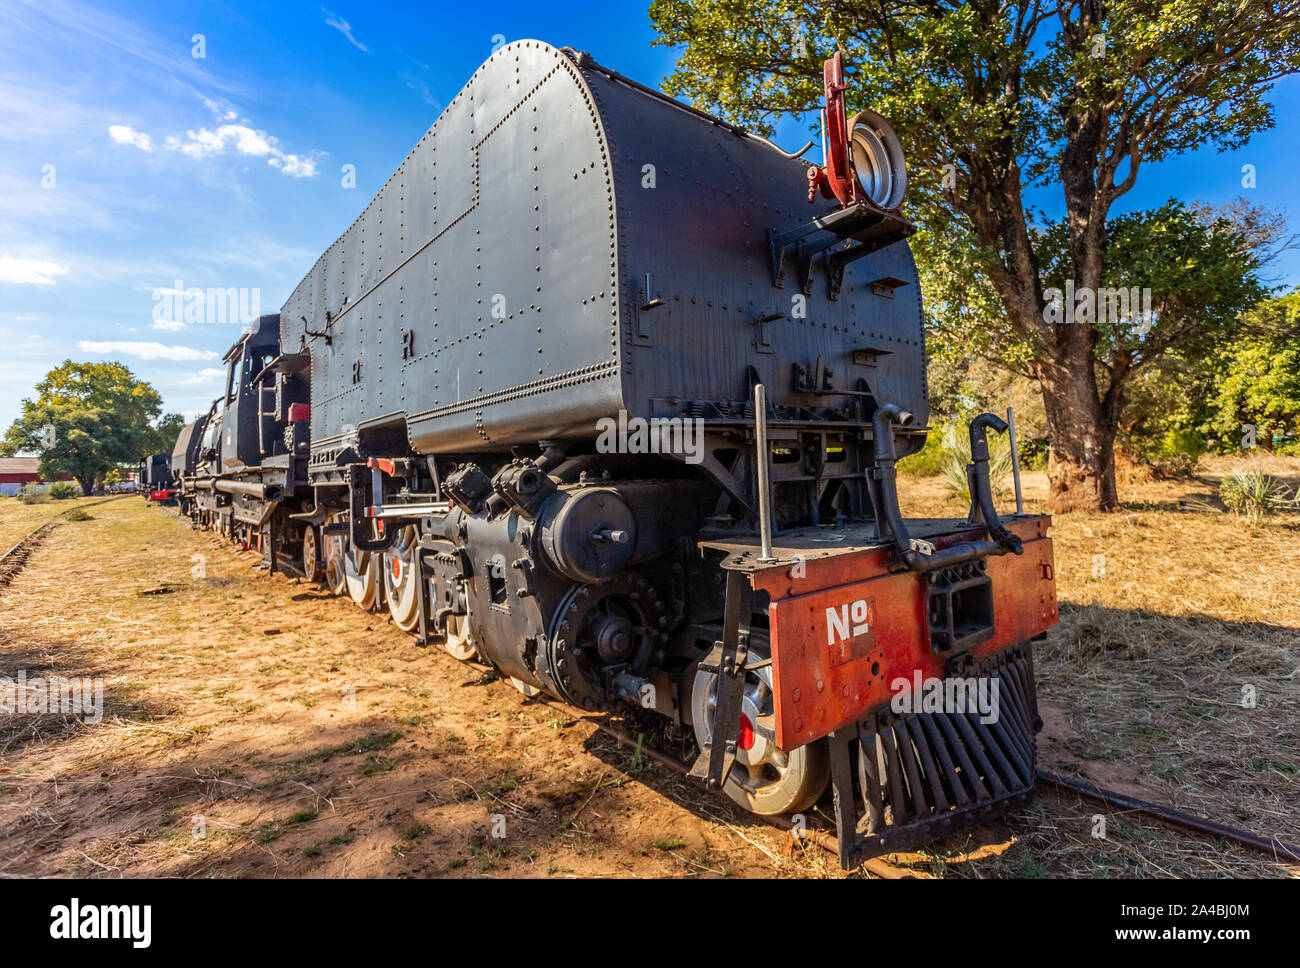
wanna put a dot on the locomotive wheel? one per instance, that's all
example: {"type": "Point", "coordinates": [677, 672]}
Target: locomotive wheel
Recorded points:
{"type": "Point", "coordinates": [313, 567]}
{"type": "Point", "coordinates": [528, 689]}
{"type": "Point", "coordinates": [335, 574]}
{"type": "Point", "coordinates": [365, 586]}
{"type": "Point", "coordinates": [458, 641]}
{"type": "Point", "coordinates": [764, 779]}
{"type": "Point", "coordinates": [401, 578]}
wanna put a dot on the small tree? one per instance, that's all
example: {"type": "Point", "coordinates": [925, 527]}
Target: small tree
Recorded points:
{"type": "Point", "coordinates": [87, 418]}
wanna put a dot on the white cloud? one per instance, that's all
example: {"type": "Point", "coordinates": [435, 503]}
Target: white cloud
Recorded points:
{"type": "Point", "coordinates": [222, 112]}
{"type": "Point", "coordinates": [145, 350]}
{"type": "Point", "coordinates": [246, 140]}
{"type": "Point", "coordinates": [35, 272]}
{"type": "Point", "coordinates": [294, 166]}
{"type": "Point", "coordinates": [124, 134]}
{"type": "Point", "coordinates": [170, 325]}
{"type": "Point", "coordinates": [343, 27]}
{"type": "Point", "coordinates": [206, 375]}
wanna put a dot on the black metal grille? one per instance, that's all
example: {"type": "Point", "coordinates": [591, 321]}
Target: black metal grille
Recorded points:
{"type": "Point", "coordinates": [922, 775]}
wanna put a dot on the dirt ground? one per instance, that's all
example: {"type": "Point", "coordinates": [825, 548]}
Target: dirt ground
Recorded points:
{"type": "Point", "coordinates": [255, 727]}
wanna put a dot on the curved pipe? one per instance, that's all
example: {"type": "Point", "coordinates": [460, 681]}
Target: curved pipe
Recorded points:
{"type": "Point", "coordinates": [886, 477]}
{"type": "Point", "coordinates": [777, 148]}
{"type": "Point", "coordinates": [981, 488]}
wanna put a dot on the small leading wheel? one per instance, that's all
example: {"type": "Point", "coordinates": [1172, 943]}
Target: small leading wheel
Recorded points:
{"type": "Point", "coordinates": [459, 642]}
{"type": "Point", "coordinates": [401, 579]}
{"type": "Point", "coordinates": [313, 565]}
{"type": "Point", "coordinates": [527, 688]}
{"type": "Point", "coordinates": [334, 547]}
{"type": "Point", "coordinates": [764, 779]}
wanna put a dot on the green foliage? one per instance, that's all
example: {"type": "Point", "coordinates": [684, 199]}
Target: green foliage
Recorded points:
{"type": "Point", "coordinates": [1257, 378]}
{"type": "Point", "coordinates": [992, 101]}
{"type": "Point", "coordinates": [956, 456]}
{"type": "Point", "coordinates": [62, 490]}
{"type": "Point", "coordinates": [1201, 270]}
{"type": "Point", "coordinates": [1034, 454]}
{"type": "Point", "coordinates": [1254, 494]}
{"type": "Point", "coordinates": [928, 461]}
{"type": "Point", "coordinates": [87, 418]}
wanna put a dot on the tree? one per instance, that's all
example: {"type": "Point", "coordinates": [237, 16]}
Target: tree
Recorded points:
{"type": "Point", "coordinates": [992, 99]}
{"type": "Point", "coordinates": [89, 417]}
{"type": "Point", "coordinates": [1256, 396]}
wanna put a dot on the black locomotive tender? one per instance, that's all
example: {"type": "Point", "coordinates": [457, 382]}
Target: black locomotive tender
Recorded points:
{"type": "Point", "coordinates": [419, 427]}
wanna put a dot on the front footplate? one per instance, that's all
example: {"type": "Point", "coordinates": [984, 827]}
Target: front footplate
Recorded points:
{"type": "Point", "coordinates": [961, 750]}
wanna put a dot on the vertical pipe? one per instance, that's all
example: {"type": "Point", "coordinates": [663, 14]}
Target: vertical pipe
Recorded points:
{"type": "Point", "coordinates": [1015, 458]}
{"type": "Point", "coordinates": [763, 456]}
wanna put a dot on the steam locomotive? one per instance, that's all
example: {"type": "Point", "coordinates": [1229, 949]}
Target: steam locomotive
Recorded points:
{"type": "Point", "coordinates": [154, 478]}
{"type": "Point", "coordinates": [608, 393]}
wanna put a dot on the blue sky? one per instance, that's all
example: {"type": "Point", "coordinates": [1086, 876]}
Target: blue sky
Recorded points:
{"type": "Point", "coordinates": [227, 170]}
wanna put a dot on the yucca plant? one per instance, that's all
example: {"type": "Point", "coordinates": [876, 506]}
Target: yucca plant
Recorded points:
{"type": "Point", "coordinates": [956, 448]}
{"type": "Point", "coordinates": [1255, 494]}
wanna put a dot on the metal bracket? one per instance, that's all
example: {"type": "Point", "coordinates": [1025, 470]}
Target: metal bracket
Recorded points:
{"type": "Point", "coordinates": [359, 476]}
{"type": "Point", "coordinates": [872, 227]}
{"type": "Point", "coordinates": [727, 658]}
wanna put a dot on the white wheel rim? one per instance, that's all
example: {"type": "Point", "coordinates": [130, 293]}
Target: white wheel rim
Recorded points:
{"type": "Point", "coordinates": [764, 779]}
{"type": "Point", "coordinates": [361, 570]}
{"type": "Point", "coordinates": [459, 642]}
{"type": "Point", "coordinates": [400, 585]}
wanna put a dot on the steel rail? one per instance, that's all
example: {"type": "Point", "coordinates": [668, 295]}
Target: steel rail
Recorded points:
{"type": "Point", "coordinates": [1175, 818]}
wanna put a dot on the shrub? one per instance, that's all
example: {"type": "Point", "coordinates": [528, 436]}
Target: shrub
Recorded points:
{"type": "Point", "coordinates": [928, 461]}
{"type": "Point", "coordinates": [1181, 443]}
{"type": "Point", "coordinates": [956, 447]}
{"type": "Point", "coordinates": [34, 495]}
{"type": "Point", "coordinates": [62, 490]}
{"type": "Point", "coordinates": [1034, 453]}
{"type": "Point", "coordinates": [1255, 494]}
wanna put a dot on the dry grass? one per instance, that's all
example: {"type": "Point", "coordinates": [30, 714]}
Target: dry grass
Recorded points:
{"type": "Point", "coordinates": [224, 701]}
{"type": "Point", "coordinates": [312, 738]}
{"type": "Point", "coordinates": [17, 518]}
{"type": "Point", "coordinates": [1173, 616]}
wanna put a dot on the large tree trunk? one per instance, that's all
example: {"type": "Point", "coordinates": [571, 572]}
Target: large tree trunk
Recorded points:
{"type": "Point", "coordinates": [1081, 468]}
{"type": "Point", "coordinates": [87, 484]}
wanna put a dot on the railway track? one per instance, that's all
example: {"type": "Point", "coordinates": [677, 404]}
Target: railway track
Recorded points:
{"type": "Point", "coordinates": [13, 560]}
{"type": "Point", "coordinates": [1280, 850]}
